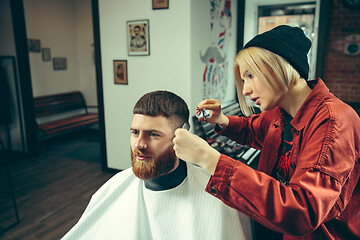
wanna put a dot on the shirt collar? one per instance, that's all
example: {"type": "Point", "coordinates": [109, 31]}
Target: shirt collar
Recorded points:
{"type": "Point", "coordinates": [311, 104]}
{"type": "Point", "coordinates": [308, 108]}
{"type": "Point", "coordinates": [169, 180]}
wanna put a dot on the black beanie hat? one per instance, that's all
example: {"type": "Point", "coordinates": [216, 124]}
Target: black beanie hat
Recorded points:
{"type": "Point", "coordinates": [287, 42]}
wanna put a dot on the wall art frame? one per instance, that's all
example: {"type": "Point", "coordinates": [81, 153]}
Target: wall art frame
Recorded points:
{"type": "Point", "coordinates": [46, 56]}
{"type": "Point", "coordinates": [59, 63]}
{"type": "Point", "coordinates": [138, 37]}
{"type": "Point", "coordinates": [160, 4]}
{"type": "Point", "coordinates": [120, 72]}
{"type": "Point", "coordinates": [34, 45]}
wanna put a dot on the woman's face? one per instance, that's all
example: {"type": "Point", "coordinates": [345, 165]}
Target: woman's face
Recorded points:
{"type": "Point", "coordinates": [259, 93]}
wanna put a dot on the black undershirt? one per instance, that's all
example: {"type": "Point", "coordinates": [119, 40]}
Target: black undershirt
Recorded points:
{"type": "Point", "coordinates": [281, 170]}
{"type": "Point", "coordinates": [168, 181]}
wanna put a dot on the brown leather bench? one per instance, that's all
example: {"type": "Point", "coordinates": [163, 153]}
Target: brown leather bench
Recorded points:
{"type": "Point", "coordinates": [62, 112]}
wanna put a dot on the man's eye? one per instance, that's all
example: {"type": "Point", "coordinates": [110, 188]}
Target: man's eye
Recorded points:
{"type": "Point", "coordinates": [154, 134]}
{"type": "Point", "coordinates": [134, 132]}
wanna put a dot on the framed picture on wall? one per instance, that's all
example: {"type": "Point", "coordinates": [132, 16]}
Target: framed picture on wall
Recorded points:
{"type": "Point", "coordinates": [138, 38]}
{"type": "Point", "coordinates": [120, 72]}
{"type": "Point", "coordinates": [46, 57]}
{"type": "Point", "coordinates": [160, 4]}
{"type": "Point", "coordinates": [34, 45]}
{"type": "Point", "coordinates": [59, 63]}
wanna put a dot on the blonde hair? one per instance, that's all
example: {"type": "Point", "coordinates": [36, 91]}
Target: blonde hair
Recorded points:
{"type": "Point", "coordinates": [273, 70]}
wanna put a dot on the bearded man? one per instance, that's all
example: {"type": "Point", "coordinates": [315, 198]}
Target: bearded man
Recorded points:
{"type": "Point", "coordinates": [161, 196]}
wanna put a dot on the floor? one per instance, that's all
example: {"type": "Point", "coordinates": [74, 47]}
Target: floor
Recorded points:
{"type": "Point", "coordinates": [53, 189]}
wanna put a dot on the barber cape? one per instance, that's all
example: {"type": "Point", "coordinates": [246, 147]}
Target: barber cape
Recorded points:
{"type": "Point", "coordinates": [123, 208]}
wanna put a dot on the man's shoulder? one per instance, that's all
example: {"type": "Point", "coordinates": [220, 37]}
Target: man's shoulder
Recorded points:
{"type": "Point", "coordinates": [125, 173]}
{"type": "Point", "coordinates": [120, 180]}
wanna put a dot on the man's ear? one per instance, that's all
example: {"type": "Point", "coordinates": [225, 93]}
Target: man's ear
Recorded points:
{"type": "Point", "coordinates": [186, 126]}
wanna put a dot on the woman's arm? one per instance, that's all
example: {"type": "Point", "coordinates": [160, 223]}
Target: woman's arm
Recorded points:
{"type": "Point", "coordinates": [195, 150]}
{"type": "Point", "coordinates": [324, 162]}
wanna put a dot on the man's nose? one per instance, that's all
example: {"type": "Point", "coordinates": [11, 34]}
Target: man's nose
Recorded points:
{"type": "Point", "coordinates": [141, 142]}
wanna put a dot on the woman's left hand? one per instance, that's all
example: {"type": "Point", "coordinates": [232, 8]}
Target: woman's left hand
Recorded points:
{"type": "Point", "coordinates": [193, 149]}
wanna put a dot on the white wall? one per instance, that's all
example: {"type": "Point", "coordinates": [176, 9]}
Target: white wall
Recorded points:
{"type": "Point", "coordinates": [64, 26]}
{"type": "Point", "coordinates": [202, 37]}
{"type": "Point", "coordinates": [167, 67]}
{"type": "Point", "coordinates": [176, 37]}
{"type": "Point", "coordinates": [86, 61]}
{"type": "Point", "coordinates": [53, 23]}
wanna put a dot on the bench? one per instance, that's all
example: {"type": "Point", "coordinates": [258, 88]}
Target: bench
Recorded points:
{"type": "Point", "coordinates": [224, 145]}
{"type": "Point", "coordinates": [59, 113]}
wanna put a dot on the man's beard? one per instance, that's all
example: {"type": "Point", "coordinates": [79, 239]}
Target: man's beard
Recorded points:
{"type": "Point", "coordinates": [152, 168]}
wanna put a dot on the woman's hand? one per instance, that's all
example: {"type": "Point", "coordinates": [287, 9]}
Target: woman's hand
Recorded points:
{"type": "Point", "coordinates": [193, 149]}
{"type": "Point", "coordinates": [216, 115]}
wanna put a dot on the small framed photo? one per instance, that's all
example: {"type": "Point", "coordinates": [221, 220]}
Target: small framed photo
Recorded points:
{"type": "Point", "coordinates": [120, 72]}
{"type": "Point", "coordinates": [138, 38]}
{"type": "Point", "coordinates": [46, 56]}
{"type": "Point", "coordinates": [59, 63]}
{"type": "Point", "coordinates": [34, 45]}
{"type": "Point", "coordinates": [160, 4]}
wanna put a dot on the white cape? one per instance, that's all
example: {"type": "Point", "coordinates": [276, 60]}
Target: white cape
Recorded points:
{"type": "Point", "coordinates": [123, 208]}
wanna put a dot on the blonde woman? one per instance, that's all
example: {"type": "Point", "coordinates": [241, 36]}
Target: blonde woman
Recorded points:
{"type": "Point", "coordinates": [306, 185]}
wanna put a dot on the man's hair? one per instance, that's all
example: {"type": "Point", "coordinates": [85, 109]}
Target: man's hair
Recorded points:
{"type": "Point", "coordinates": [273, 70]}
{"type": "Point", "coordinates": [163, 103]}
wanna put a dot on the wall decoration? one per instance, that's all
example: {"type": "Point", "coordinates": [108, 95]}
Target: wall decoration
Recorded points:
{"type": "Point", "coordinates": [138, 38]}
{"type": "Point", "coordinates": [34, 45]}
{"type": "Point", "coordinates": [46, 56]}
{"type": "Point", "coordinates": [349, 45]}
{"type": "Point", "coordinates": [215, 79]}
{"type": "Point", "coordinates": [160, 4]}
{"type": "Point", "coordinates": [120, 72]}
{"type": "Point", "coordinates": [59, 63]}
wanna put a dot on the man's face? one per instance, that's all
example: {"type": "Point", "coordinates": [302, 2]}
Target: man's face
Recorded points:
{"type": "Point", "coordinates": [120, 72]}
{"type": "Point", "coordinates": [152, 152]}
{"type": "Point", "coordinates": [137, 30]}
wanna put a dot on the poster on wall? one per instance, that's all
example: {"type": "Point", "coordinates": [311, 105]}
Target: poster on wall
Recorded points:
{"type": "Point", "coordinates": [46, 56]}
{"type": "Point", "coordinates": [218, 63]}
{"type": "Point", "coordinates": [160, 4]}
{"type": "Point", "coordinates": [34, 45]}
{"type": "Point", "coordinates": [138, 38]}
{"type": "Point", "coordinates": [349, 45]}
{"type": "Point", "coordinates": [59, 63]}
{"type": "Point", "coordinates": [120, 72]}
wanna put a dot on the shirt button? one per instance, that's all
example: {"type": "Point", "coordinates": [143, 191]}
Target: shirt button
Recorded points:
{"type": "Point", "coordinates": [292, 165]}
{"type": "Point", "coordinates": [214, 191]}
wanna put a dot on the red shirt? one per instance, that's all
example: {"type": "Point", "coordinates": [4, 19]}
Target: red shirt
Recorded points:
{"type": "Point", "coordinates": [322, 199]}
